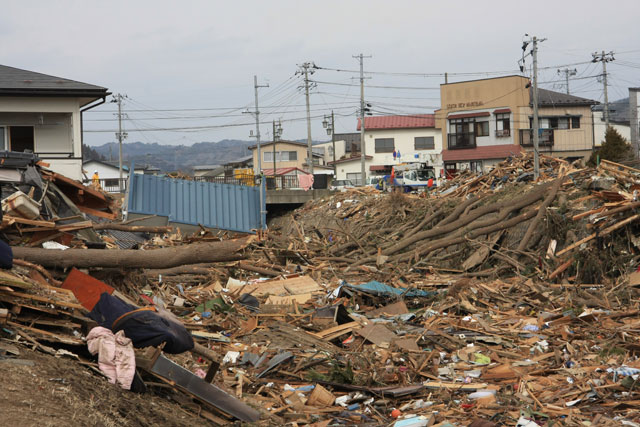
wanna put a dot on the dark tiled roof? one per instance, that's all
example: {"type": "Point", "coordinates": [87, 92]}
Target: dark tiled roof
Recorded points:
{"type": "Point", "coordinates": [618, 110]}
{"type": "Point", "coordinates": [349, 138]}
{"type": "Point", "coordinates": [14, 81]}
{"type": "Point", "coordinates": [549, 98]}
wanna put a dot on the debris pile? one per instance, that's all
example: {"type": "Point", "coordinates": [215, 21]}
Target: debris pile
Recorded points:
{"type": "Point", "coordinates": [494, 300]}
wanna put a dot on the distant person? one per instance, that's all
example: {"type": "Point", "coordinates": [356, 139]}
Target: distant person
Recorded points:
{"type": "Point", "coordinates": [95, 179]}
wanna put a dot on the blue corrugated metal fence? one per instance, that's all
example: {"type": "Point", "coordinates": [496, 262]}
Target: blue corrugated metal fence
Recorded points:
{"type": "Point", "coordinates": [223, 206]}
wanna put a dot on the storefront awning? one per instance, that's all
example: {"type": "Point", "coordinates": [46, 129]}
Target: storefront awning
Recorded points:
{"type": "Point", "coordinates": [502, 111]}
{"type": "Point", "coordinates": [467, 115]}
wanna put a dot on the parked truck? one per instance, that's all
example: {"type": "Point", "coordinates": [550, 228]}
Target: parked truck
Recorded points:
{"type": "Point", "coordinates": [414, 176]}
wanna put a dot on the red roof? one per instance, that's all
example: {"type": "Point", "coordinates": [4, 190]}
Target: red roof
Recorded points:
{"type": "Point", "coordinates": [283, 171]}
{"type": "Point", "coordinates": [481, 153]}
{"type": "Point", "coordinates": [399, 122]}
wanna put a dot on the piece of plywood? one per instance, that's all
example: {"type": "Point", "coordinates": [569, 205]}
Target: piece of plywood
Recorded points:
{"type": "Point", "coordinates": [407, 344]}
{"type": "Point", "coordinates": [293, 286]}
{"type": "Point", "coordinates": [288, 299]}
{"type": "Point", "coordinates": [391, 310]}
{"type": "Point", "coordinates": [380, 335]}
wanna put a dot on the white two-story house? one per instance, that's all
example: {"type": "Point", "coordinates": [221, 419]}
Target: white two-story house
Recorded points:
{"type": "Point", "coordinates": [43, 114]}
{"type": "Point", "coordinates": [391, 140]}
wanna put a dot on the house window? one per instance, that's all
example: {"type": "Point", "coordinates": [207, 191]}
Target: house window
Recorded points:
{"type": "Point", "coordinates": [3, 140]}
{"type": "Point", "coordinates": [563, 123]}
{"type": "Point", "coordinates": [424, 143]}
{"type": "Point", "coordinates": [21, 138]}
{"type": "Point", "coordinates": [462, 133]}
{"type": "Point", "coordinates": [281, 156]}
{"type": "Point", "coordinates": [482, 128]}
{"type": "Point", "coordinates": [503, 124]}
{"type": "Point", "coordinates": [384, 145]}
{"type": "Point", "coordinates": [557, 123]}
{"type": "Point", "coordinates": [355, 178]}
{"type": "Point", "coordinates": [575, 122]}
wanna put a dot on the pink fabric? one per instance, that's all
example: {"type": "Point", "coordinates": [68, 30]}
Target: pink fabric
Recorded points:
{"type": "Point", "coordinates": [306, 181]}
{"type": "Point", "coordinates": [116, 358]}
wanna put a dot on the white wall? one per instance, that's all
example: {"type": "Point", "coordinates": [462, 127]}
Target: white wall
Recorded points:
{"type": "Point", "coordinates": [57, 133]}
{"type": "Point", "coordinates": [104, 171]}
{"type": "Point", "coordinates": [599, 128]}
{"type": "Point", "coordinates": [352, 166]}
{"type": "Point", "coordinates": [404, 141]}
{"type": "Point", "coordinates": [328, 156]}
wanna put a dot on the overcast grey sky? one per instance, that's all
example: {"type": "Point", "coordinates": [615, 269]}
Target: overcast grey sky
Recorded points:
{"type": "Point", "coordinates": [182, 56]}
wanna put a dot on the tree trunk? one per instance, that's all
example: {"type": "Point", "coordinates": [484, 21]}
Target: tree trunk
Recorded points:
{"type": "Point", "coordinates": [227, 250]}
{"type": "Point", "coordinates": [132, 228]}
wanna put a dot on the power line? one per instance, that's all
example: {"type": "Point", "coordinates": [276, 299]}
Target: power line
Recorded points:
{"type": "Point", "coordinates": [378, 87]}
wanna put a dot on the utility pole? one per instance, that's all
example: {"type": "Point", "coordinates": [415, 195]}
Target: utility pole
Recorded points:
{"type": "Point", "coordinates": [363, 154]}
{"type": "Point", "coordinates": [117, 98]}
{"type": "Point", "coordinates": [277, 131]}
{"type": "Point", "coordinates": [567, 73]}
{"type": "Point", "coordinates": [256, 113]}
{"type": "Point", "coordinates": [331, 130]}
{"type": "Point", "coordinates": [536, 126]}
{"type": "Point", "coordinates": [633, 120]}
{"type": "Point", "coordinates": [305, 70]}
{"type": "Point", "coordinates": [604, 58]}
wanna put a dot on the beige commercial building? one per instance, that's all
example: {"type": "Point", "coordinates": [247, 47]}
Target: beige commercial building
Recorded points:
{"type": "Point", "coordinates": [485, 121]}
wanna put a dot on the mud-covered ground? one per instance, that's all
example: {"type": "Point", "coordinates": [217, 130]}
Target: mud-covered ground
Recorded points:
{"type": "Point", "coordinates": [62, 392]}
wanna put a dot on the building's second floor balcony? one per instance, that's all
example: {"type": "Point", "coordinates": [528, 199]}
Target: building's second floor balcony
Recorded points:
{"type": "Point", "coordinates": [461, 140]}
{"type": "Point", "coordinates": [545, 139]}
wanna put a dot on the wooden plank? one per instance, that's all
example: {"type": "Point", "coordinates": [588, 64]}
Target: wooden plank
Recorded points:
{"type": "Point", "coordinates": [79, 186]}
{"type": "Point", "coordinates": [12, 280]}
{"type": "Point", "coordinates": [47, 300]}
{"type": "Point", "coordinates": [453, 386]}
{"type": "Point", "coordinates": [63, 228]}
{"type": "Point", "coordinates": [39, 223]}
{"type": "Point", "coordinates": [49, 335]}
{"type": "Point", "coordinates": [96, 212]}
{"type": "Point", "coordinates": [587, 213]}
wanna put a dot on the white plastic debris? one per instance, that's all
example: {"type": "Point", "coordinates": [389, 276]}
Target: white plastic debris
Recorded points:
{"type": "Point", "coordinates": [231, 357]}
{"type": "Point", "coordinates": [54, 245]}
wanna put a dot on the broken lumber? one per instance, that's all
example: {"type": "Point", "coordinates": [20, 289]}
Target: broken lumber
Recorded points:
{"type": "Point", "coordinates": [228, 250]}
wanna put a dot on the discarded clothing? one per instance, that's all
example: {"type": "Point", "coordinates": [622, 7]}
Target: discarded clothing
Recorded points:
{"type": "Point", "coordinates": [6, 255]}
{"type": "Point", "coordinates": [116, 357]}
{"type": "Point", "coordinates": [306, 181]}
{"type": "Point", "coordinates": [146, 327]}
